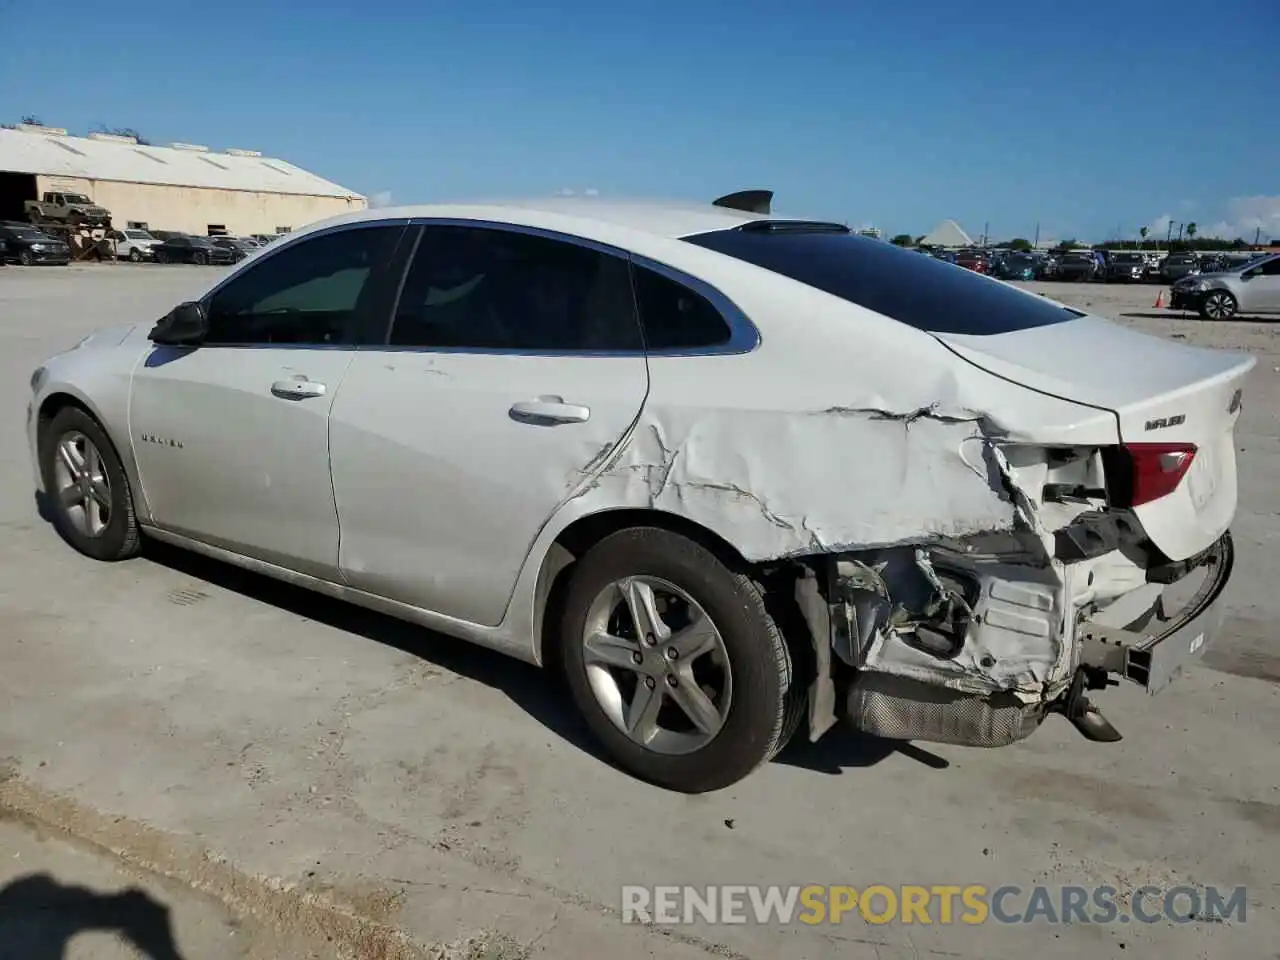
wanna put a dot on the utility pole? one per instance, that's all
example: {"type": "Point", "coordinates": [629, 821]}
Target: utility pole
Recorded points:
{"type": "Point", "coordinates": [1180, 226]}
{"type": "Point", "coordinates": [1035, 245]}
{"type": "Point", "coordinates": [1168, 236]}
{"type": "Point", "coordinates": [986, 227]}
{"type": "Point", "coordinates": [1257, 236]}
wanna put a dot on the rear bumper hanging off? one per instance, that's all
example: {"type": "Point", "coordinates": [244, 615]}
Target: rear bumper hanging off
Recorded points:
{"type": "Point", "coordinates": [1153, 655]}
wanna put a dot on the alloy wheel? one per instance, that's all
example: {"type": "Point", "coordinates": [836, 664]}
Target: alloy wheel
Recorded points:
{"type": "Point", "coordinates": [1219, 306]}
{"type": "Point", "coordinates": [657, 665]}
{"type": "Point", "coordinates": [82, 486]}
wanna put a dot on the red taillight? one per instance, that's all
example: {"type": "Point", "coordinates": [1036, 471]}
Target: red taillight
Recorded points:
{"type": "Point", "coordinates": [1158, 468]}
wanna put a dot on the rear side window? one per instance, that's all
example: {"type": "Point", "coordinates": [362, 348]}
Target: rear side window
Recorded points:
{"type": "Point", "coordinates": [675, 317]}
{"type": "Point", "coordinates": [921, 292]}
{"type": "Point", "coordinates": [482, 288]}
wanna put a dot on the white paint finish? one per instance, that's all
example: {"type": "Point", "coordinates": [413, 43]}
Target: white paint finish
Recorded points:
{"type": "Point", "coordinates": [252, 473]}
{"type": "Point", "coordinates": [1142, 378]}
{"type": "Point", "coordinates": [440, 491]}
{"type": "Point", "coordinates": [67, 156]}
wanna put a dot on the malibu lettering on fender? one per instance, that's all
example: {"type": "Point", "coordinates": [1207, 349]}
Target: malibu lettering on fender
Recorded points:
{"type": "Point", "coordinates": [160, 441]}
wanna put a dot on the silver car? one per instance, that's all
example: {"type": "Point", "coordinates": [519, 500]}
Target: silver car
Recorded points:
{"type": "Point", "coordinates": [1252, 288]}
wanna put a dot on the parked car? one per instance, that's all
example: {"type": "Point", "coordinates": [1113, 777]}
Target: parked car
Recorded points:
{"type": "Point", "coordinates": [1151, 263]}
{"type": "Point", "coordinates": [240, 247]}
{"type": "Point", "coordinates": [133, 244]}
{"type": "Point", "coordinates": [1212, 262]}
{"type": "Point", "coordinates": [974, 260]}
{"type": "Point", "coordinates": [652, 477]}
{"type": "Point", "coordinates": [30, 247]}
{"type": "Point", "coordinates": [1179, 265]}
{"type": "Point", "coordinates": [1016, 266]}
{"type": "Point", "coordinates": [186, 249]}
{"type": "Point", "coordinates": [1077, 266]}
{"type": "Point", "coordinates": [1124, 266]}
{"type": "Point", "coordinates": [1251, 289]}
{"type": "Point", "coordinates": [1046, 266]}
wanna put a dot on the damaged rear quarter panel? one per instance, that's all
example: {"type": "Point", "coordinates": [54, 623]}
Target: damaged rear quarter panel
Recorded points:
{"type": "Point", "coordinates": [842, 430]}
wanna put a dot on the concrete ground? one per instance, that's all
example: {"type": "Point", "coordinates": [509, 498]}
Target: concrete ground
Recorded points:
{"type": "Point", "coordinates": [262, 760]}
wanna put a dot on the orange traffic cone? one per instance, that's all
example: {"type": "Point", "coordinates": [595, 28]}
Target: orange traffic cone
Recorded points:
{"type": "Point", "coordinates": [1159, 300]}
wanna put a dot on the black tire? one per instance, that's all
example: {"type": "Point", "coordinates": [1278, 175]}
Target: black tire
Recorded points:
{"type": "Point", "coordinates": [200, 259]}
{"type": "Point", "coordinates": [1218, 305]}
{"type": "Point", "coordinates": [120, 538]}
{"type": "Point", "coordinates": [24, 258]}
{"type": "Point", "coordinates": [135, 255]}
{"type": "Point", "coordinates": [761, 713]}
{"type": "Point", "coordinates": [161, 257]}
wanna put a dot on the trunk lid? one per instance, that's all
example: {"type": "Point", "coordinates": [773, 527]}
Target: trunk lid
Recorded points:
{"type": "Point", "coordinates": [1161, 392]}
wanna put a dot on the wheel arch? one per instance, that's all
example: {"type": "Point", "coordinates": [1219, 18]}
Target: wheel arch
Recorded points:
{"type": "Point", "coordinates": [584, 532]}
{"type": "Point", "coordinates": [64, 395]}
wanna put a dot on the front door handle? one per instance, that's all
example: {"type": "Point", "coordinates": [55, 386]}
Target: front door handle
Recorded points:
{"type": "Point", "coordinates": [549, 410]}
{"type": "Point", "coordinates": [299, 388]}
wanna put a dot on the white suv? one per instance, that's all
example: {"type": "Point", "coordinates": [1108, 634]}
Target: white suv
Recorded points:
{"type": "Point", "coordinates": [133, 244]}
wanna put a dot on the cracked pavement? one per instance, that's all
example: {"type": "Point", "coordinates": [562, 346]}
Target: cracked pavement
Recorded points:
{"type": "Point", "coordinates": [342, 784]}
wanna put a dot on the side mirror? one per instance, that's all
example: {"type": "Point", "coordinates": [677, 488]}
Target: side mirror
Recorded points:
{"type": "Point", "coordinates": [184, 325]}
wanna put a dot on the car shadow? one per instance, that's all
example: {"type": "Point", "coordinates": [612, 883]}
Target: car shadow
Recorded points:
{"type": "Point", "coordinates": [843, 748]}
{"type": "Point", "coordinates": [542, 693]}
{"type": "Point", "coordinates": [40, 916]}
{"type": "Point", "coordinates": [1192, 315]}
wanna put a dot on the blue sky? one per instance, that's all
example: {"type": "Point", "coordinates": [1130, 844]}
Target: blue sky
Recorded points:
{"type": "Point", "coordinates": [1090, 120]}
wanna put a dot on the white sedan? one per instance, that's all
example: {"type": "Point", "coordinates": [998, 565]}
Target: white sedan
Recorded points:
{"type": "Point", "coordinates": [733, 474]}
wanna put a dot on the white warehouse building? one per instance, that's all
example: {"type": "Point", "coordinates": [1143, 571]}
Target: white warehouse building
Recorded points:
{"type": "Point", "coordinates": [181, 187]}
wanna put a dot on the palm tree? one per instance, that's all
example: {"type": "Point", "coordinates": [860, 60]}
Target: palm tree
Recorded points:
{"type": "Point", "coordinates": [1142, 232]}
{"type": "Point", "coordinates": [1191, 230]}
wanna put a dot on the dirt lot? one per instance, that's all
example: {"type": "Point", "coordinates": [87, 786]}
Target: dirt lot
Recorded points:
{"type": "Point", "coordinates": [333, 783]}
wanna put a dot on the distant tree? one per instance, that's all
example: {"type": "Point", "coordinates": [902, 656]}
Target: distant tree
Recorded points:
{"type": "Point", "coordinates": [1067, 245]}
{"type": "Point", "coordinates": [920, 239]}
{"type": "Point", "coordinates": [1191, 230]}
{"type": "Point", "coordinates": [1021, 244]}
{"type": "Point", "coordinates": [903, 240]}
{"type": "Point", "coordinates": [1142, 232]}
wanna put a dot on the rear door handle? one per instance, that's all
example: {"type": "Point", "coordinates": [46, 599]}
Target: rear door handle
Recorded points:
{"type": "Point", "coordinates": [548, 410]}
{"type": "Point", "coordinates": [298, 389]}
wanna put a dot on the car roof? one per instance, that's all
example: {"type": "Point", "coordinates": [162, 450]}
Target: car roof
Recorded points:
{"type": "Point", "coordinates": [592, 217]}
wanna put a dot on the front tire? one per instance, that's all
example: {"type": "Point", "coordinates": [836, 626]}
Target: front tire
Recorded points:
{"type": "Point", "coordinates": [86, 487]}
{"type": "Point", "coordinates": [24, 258]}
{"type": "Point", "coordinates": [200, 259]}
{"type": "Point", "coordinates": [135, 255]}
{"type": "Point", "coordinates": [1218, 305]}
{"type": "Point", "coordinates": [674, 662]}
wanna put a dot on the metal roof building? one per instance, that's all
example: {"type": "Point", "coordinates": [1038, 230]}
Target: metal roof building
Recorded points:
{"type": "Point", "coordinates": [184, 187]}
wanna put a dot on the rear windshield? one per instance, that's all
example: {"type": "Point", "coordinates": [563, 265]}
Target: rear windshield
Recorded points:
{"type": "Point", "coordinates": [921, 292]}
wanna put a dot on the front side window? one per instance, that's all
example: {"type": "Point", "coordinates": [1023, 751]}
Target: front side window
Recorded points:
{"type": "Point", "coordinates": [310, 293]}
{"type": "Point", "coordinates": [919, 291]}
{"type": "Point", "coordinates": [480, 288]}
{"type": "Point", "coordinates": [1271, 268]}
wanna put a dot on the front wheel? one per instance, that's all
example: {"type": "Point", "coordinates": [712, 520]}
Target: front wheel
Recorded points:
{"type": "Point", "coordinates": [1218, 305]}
{"type": "Point", "coordinates": [86, 487]}
{"type": "Point", "coordinates": [24, 258]}
{"type": "Point", "coordinates": [135, 255]}
{"type": "Point", "coordinates": [675, 663]}
{"type": "Point", "coordinates": [200, 259]}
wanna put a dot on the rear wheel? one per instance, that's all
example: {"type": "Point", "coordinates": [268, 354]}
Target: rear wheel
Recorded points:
{"type": "Point", "coordinates": [86, 487]}
{"type": "Point", "coordinates": [1218, 305]}
{"type": "Point", "coordinates": [675, 663]}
